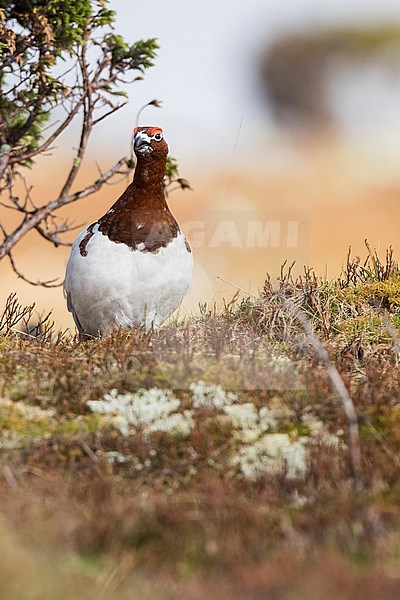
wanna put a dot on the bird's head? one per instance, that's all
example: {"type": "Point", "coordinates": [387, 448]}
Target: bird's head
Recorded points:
{"type": "Point", "coordinates": [149, 142]}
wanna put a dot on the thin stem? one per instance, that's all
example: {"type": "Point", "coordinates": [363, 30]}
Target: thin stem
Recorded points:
{"type": "Point", "coordinates": [46, 284]}
{"type": "Point", "coordinates": [340, 388]}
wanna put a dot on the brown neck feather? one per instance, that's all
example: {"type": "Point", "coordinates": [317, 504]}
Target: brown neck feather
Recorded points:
{"type": "Point", "coordinates": [140, 218]}
{"type": "Point", "coordinates": [149, 173]}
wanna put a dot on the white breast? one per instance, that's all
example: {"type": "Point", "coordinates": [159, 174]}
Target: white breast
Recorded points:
{"type": "Point", "coordinates": [114, 286]}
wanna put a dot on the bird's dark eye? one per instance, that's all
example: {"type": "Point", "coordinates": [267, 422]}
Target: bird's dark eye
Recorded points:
{"type": "Point", "coordinates": [158, 136]}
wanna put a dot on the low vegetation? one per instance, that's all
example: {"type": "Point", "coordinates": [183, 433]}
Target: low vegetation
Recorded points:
{"type": "Point", "coordinates": [212, 457]}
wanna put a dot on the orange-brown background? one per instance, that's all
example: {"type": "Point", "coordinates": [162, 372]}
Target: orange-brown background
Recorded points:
{"type": "Point", "coordinates": [341, 188]}
{"type": "Point", "coordinates": [339, 194]}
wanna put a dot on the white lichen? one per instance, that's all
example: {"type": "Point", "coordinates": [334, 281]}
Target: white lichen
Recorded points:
{"type": "Point", "coordinates": [146, 410]}
{"type": "Point", "coordinates": [264, 452]}
{"type": "Point", "coordinates": [210, 396]}
{"type": "Point", "coordinates": [250, 423]}
{"type": "Point", "coordinates": [273, 454]}
{"type": "Point", "coordinates": [260, 448]}
{"type": "Point", "coordinates": [320, 434]}
{"type": "Point", "coordinates": [175, 424]}
{"type": "Point", "coordinates": [243, 416]}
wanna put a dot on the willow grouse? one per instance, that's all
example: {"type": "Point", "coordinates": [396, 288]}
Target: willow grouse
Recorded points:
{"type": "Point", "coordinates": [133, 266]}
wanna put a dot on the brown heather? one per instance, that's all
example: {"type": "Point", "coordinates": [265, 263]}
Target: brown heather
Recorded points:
{"type": "Point", "coordinates": [186, 524]}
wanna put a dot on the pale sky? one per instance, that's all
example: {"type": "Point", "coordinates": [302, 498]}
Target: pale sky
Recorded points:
{"type": "Point", "coordinates": [206, 70]}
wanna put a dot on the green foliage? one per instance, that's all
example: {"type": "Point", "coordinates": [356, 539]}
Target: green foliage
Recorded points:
{"type": "Point", "coordinates": [172, 176]}
{"type": "Point", "coordinates": [37, 36]}
{"type": "Point", "coordinates": [125, 57]}
{"type": "Point", "coordinates": [52, 26]}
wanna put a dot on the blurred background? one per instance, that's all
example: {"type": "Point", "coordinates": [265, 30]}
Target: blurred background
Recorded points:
{"type": "Point", "coordinates": [285, 117]}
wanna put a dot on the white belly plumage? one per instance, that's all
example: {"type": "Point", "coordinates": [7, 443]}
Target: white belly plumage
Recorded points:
{"type": "Point", "coordinates": [114, 286]}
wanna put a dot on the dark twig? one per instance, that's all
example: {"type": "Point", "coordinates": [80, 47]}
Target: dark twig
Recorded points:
{"type": "Point", "coordinates": [109, 113]}
{"type": "Point", "coordinates": [52, 237]}
{"type": "Point", "coordinates": [36, 217]}
{"type": "Point", "coordinates": [40, 149]}
{"type": "Point", "coordinates": [46, 284]}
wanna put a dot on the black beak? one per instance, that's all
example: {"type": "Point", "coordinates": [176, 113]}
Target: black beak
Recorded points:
{"type": "Point", "coordinates": [140, 142]}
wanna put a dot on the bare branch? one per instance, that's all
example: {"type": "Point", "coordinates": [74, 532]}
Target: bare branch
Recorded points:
{"type": "Point", "coordinates": [3, 231]}
{"type": "Point", "coordinates": [46, 284]}
{"type": "Point", "coordinates": [110, 112]}
{"type": "Point", "coordinates": [53, 231]}
{"type": "Point", "coordinates": [87, 124]}
{"type": "Point", "coordinates": [50, 140]}
{"type": "Point", "coordinates": [52, 237]}
{"type": "Point", "coordinates": [34, 218]}
{"type": "Point", "coordinates": [100, 181]}
{"type": "Point", "coordinates": [12, 207]}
